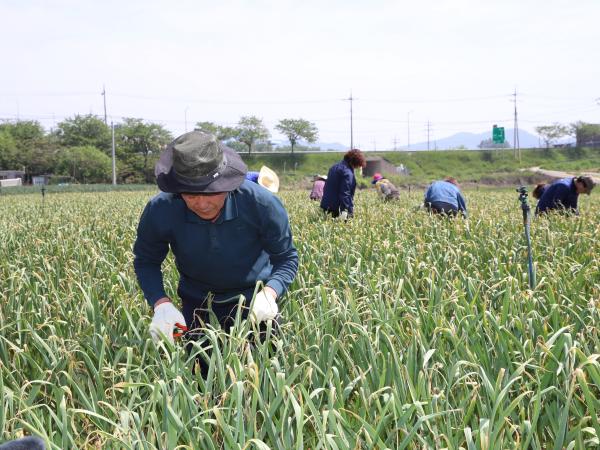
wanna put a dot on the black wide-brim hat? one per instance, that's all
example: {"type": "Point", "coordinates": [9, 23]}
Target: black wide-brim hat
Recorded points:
{"type": "Point", "coordinates": [198, 163]}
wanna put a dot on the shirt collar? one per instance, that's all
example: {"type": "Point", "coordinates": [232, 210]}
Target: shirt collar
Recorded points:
{"type": "Point", "coordinates": [573, 186]}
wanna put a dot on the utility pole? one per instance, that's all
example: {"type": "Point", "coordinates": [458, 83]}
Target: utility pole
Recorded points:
{"type": "Point", "coordinates": [394, 143]}
{"type": "Point", "coordinates": [104, 95]}
{"type": "Point", "coordinates": [428, 128]}
{"type": "Point", "coordinates": [350, 99]}
{"type": "Point", "coordinates": [408, 129]}
{"type": "Point", "coordinates": [114, 165]}
{"type": "Point", "coordinates": [374, 145]}
{"type": "Point", "coordinates": [516, 145]}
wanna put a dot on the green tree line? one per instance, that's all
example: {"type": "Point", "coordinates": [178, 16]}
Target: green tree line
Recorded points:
{"type": "Point", "coordinates": [79, 148]}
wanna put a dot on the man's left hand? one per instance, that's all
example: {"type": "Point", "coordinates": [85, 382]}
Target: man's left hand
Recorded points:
{"type": "Point", "coordinates": [264, 306]}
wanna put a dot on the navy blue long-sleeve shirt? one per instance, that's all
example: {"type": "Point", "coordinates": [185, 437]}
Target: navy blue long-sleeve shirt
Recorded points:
{"type": "Point", "coordinates": [250, 241]}
{"type": "Point", "coordinates": [338, 194]}
{"type": "Point", "coordinates": [561, 194]}
{"type": "Point", "coordinates": [444, 191]}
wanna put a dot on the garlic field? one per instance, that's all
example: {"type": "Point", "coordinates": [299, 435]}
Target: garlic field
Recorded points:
{"type": "Point", "coordinates": [401, 330]}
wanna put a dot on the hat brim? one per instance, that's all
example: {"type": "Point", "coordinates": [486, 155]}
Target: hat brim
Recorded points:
{"type": "Point", "coordinates": [232, 176]}
{"type": "Point", "coordinates": [268, 179]}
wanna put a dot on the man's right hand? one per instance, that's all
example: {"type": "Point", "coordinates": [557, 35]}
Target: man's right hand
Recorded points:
{"type": "Point", "coordinates": [166, 316]}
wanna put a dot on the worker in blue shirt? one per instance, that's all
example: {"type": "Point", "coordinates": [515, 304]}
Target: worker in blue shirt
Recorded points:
{"type": "Point", "coordinates": [444, 197]}
{"type": "Point", "coordinates": [338, 193]}
{"type": "Point", "coordinates": [562, 195]}
{"type": "Point", "coordinates": [226, 233]}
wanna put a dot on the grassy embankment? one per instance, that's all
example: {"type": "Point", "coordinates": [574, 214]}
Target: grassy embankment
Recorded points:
{"type": "Point", "coordinates": [495, 167]}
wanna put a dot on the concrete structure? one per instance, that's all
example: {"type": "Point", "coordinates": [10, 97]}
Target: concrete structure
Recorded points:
{"type": "Point", "coordinates": [40, 180]}
{"type": "Point", "coordinates": [11, 174]}
{"type": "Point", "coordinates": [11, 182]}
{"type": "Point", "coordinates": [378, 164]}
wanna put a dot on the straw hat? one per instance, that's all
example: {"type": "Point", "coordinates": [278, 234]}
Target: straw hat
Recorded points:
{"type": "Point", "coordinates": [268, 179]}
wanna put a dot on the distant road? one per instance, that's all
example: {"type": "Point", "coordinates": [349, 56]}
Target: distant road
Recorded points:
{"type": "Point", "coordinates": [558, 174]}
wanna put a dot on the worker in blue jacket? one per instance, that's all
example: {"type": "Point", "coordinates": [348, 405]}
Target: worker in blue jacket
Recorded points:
{"type": "Point", "coordinates": [227, 234]}
{"type": "Point", "coordinates": [562, 195]}
{"type": "Point", "coordinates": [338, 193]}
{"type": "Point", "coordinates": [444, 197]}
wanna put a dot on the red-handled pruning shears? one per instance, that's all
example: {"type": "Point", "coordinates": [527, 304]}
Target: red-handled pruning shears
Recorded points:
{"type": "Point", "coordinates": [180, 330]}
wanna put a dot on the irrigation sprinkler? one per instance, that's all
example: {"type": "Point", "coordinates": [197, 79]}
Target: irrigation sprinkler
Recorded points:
{"type": "Point", "coordinates": [522, 190]}
{"type": "Point", "coordinates": [43, 197]}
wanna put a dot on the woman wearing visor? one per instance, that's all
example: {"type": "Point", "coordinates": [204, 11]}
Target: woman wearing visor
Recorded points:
{"type": "Point", "coordinates": [226, 233]}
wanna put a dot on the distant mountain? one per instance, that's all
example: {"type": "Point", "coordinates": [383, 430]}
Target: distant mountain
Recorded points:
{"type": "Point", "coordinates": [472, 140]}
{"type": "Point", "coordinates": [468, 140]}
{"type": "Point", "coordinates": [336, 146]}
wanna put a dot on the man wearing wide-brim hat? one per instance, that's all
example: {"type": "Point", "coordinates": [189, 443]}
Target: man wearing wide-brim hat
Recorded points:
{"type": "Point", "coordinates": [227, 234]}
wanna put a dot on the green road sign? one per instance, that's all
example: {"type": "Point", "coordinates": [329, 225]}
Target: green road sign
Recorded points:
{"type": "Point", "coordinates": [498, 135]}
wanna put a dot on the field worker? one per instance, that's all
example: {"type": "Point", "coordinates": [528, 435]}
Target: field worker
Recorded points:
{"type": "Point", "coordinates": [338, 194]}
{"type": "Point", "coordinates": [444, 197]}
{"type": "Point", "coordinates": [226, 234]}
{"type": "Point", "coordinates": [562, 195]}
{"type": "Point", "coordinates": [267, 178]}
{"type": "Point", "coordinates": [386, 190]}
{"type": "Point", "coordinates": [318, 186]}
{"type": "Point", "coordinates": [538, 190]}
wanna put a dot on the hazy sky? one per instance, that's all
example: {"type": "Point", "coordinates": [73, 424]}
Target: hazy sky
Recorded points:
{"type": "Point", "coordinates": [454, 63]}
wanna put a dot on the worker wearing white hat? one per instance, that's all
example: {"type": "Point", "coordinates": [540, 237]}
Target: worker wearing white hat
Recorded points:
{"type": "Point", "coordinates": [267, 178]}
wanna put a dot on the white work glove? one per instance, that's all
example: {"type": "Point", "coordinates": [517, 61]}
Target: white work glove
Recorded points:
{"type": "Point", "coordinates": [264, 307]}
{"type": "Point", "coordinates": [164, 320]}
{"type": "Point", "coordinates": [344, 215]}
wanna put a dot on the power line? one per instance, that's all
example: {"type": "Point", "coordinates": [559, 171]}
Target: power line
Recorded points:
{"type": "Point", "coordinates": [435, 100]}
{"type": "Point", "coordinates": [224, 102]}
{"type": "Point", "coordinates": [289, 101]}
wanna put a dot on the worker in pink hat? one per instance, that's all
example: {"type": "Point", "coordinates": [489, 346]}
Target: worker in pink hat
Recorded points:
{"type": "Point", "coordinates": [386, 190]}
